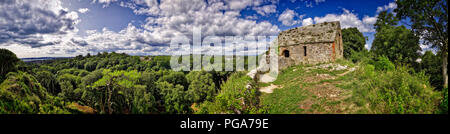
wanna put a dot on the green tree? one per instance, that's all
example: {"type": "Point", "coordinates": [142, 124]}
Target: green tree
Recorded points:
{"type": "Point", "coordinates": [431, 64]}
{"type": "Point", "coordinates": [8, 62]}
{"type": "Point", "coordinates": [110, 88]}
{"type": "Point", "coordinates": [384, 64]}
{"type": "Point", "coordinates": [234, 97]}
{"type": "Point", "coordinates": [119, 92]}
{"type": "Point", "coordinates": [73, 71]}
{"type": "Point", "coordinates": [353, 40]}
{"type": "Point", "coordinates": [149, 79]}
{"type": "Point", "coordinates": [201, 87]}
{"type": "Point", "coordinates": [90, 66]}
{"type": "Point", "coordinates": [143, 102]}
{"type": "Point", "coordinates": [429, 20]}
{"type": "Point", "coordinates": [102, 64]}
{"type": "Point", "coordinates": [175, 78]}
{"type": "Point", "coordinates": [48, 80]}
{"type": "Point", "coordinates": [385, 19]}
{"type": "Point", "coordinates": [90, 96]}
{"type": "Point", "coordinates": [92, 77]}
{"type": "Point", "coordinates": [22, 93]}
{"type": "Point", "coordinates": [398, 43]}
{"type": "Point", "coordinates": [175, 98]}
{"type": "Point", "coordinates": [69, 84]}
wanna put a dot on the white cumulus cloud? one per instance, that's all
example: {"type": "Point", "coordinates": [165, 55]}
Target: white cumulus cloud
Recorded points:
{"type": "Point", "coordinates": [83, 10]}
{"type": "Point", "coordinates": [307, 21]}
{"type": "Point", "coordinates": [288, 17]}
{"type": "Point", "coordinates": [35, 23]}
{"type": "Point", "coordinates": [387, 7]}
{"type": "Point", "coordinates": [349, 19]}
{"type": "Point", "coordinates": [265, 10]}
{"type": "Point", "coordinates": [104, 2]}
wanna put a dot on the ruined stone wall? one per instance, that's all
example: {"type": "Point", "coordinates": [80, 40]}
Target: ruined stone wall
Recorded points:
{"type": "Point", "coordinates": [340, 44]}
{"type": "Point", "coordinates": [323, 42]}
{"type": "Point", "coordinates": [315, 53]}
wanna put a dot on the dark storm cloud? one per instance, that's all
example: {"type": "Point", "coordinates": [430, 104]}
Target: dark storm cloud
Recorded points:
{"type": "Point", "coordinates": [30, 40]}
{"type": "Point", "coordinates": [22, 20]}
{"type": "Point", "coordinates": [79, 42]}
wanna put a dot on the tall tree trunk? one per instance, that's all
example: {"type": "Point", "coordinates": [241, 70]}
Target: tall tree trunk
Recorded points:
{"type": "Point", "coordinates": [444, 68]}
{"type": "Point", "coordinates": [102, 102]}
{"type": "Point", "coordinates": [109, 97]}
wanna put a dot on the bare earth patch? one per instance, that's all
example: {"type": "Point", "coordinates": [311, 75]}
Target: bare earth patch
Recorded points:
{"type": "Point", "coordinates": [306, 104]}
{"type": "Point", "coordinates": [328, 97]}
{"type": "Point", "coordinates": [323, 96]}
{"type": "Point", "coordinates": [326, 90]}
{"type": "Point", "coordinates": [318, 77]}
{"type": "Point", "coordinates": [268, 89]}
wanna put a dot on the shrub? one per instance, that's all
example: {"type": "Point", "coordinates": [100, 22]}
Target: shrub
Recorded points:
{"type": "Point", "coordinates": [234, 98]}
{"type": "Point", "coordinates": [384, 64]}
{"type": "Point", "coordinates": [362, 56]}
{"type": "Point", "coordinates": [369, 71]}
{"type": "Point", "coordinates": [444, 103]}
{"type": "Point", "coordinates": [398, 91]}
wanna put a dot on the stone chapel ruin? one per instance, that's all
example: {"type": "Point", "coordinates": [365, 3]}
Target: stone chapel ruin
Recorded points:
{"type": "Point", "coordinates": [313, 44]}
{"type": "Point", "coordinates": [317, 43]}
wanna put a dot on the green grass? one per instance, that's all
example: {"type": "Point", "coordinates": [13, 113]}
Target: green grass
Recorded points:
{"type": "Point", "coordinates": [284, 101]}
{"type": "Point", "coordinates": [364, 91]}
{"type": "Point", "coordinates": [288, 98]}
{"type": "Point", "coordinates": [288, 74]}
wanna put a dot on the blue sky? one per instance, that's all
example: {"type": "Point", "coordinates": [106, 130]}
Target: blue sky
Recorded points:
{"type": "Point", "coordinates": [145, 27]}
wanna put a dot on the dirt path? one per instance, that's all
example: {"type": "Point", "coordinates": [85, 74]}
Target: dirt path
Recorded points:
{"type": "Point", "coordinates": [268, 89]}
{"type": "Point", "coordinates": [328, 99]}
{"type": "Point", "coordinates": [349, 71]}
{"type": "Point", "coordinates": [326, 96]}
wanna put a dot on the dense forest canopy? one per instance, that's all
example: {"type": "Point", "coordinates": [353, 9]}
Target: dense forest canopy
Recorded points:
{"type": "Point", "coordinates": [393, 77]}
{"type": "Point", "coordinates": [106, 83]}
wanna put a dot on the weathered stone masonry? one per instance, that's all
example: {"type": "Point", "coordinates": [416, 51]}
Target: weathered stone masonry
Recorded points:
{"type": "Point", "coordinates": [322, 42]}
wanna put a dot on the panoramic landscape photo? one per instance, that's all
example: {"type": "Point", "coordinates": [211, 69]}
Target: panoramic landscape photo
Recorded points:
{"type": "Point", "coordinates": [223, 57]}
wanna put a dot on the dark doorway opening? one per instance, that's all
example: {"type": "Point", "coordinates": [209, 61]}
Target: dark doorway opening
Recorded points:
{"type": "Point", "coordinates": [286, 53]}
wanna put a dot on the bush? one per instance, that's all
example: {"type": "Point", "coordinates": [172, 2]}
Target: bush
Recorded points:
{"type": "Point", "coordinates": [397, 91]}
{"type": "Point", "coordinates": [361, 56]}
{"type": "Point", "coordinates": [234, 98]}
{"type": "Point", "coordinates": [444, 103]}
{"type": "Point", "coordinates": [384, 64]}
{"type": "Point", "coordinates": [369, 71]}
{"type": "Point", "coordinates": [432, 65]}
